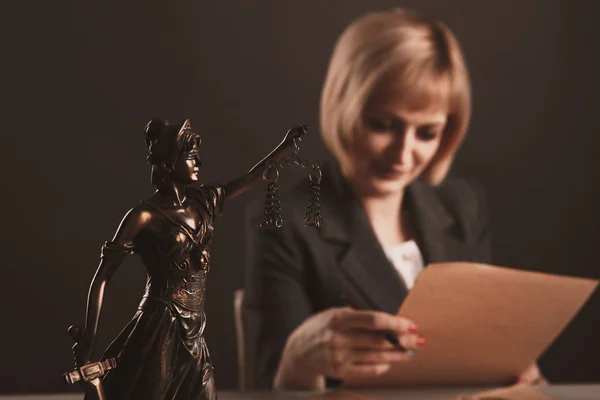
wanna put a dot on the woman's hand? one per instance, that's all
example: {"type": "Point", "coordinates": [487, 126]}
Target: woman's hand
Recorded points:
{"type": "Point", "coordinates": [344, 343]}
{"type": "Point", "coordinates": [532, 375]}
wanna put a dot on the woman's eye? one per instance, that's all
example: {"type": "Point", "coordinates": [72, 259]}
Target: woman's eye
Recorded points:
{"type": "Point", "coordinates": [427, 134]}
{"type": "Point", "coordinates": [378, 125]}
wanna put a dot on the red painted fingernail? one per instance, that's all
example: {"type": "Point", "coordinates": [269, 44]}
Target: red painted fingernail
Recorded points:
{"type": "Point", "coordinates": [413, 328]}
{"type": "Point", "coordinates": [421, 342]}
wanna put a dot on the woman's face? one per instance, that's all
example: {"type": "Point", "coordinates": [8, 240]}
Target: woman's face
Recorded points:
{"type": "Point", "coordinates": [187, 167]}
{"type": "Point", "coordinates": [395, 147]}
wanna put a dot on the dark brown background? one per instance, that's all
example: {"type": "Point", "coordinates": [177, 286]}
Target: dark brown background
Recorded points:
{"type": "Point", "coordinates": [82, 80]}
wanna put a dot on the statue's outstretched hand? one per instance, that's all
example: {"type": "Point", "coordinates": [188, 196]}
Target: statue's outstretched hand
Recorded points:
{"type": "Point", "coordinates": [295, 133]}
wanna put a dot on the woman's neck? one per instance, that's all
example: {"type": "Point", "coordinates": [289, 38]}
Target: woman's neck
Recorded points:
{"type": "Point", "coordinates": [387, 219]}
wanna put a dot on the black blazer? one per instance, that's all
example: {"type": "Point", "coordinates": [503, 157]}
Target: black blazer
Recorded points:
{"type": "Point", "coordinates": [296, 271]}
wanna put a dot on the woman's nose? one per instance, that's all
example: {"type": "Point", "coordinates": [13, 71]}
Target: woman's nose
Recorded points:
{"type": "Point", "coordinates": [407, 149]}
{"type": "Point", "coordinates": [403, 146]}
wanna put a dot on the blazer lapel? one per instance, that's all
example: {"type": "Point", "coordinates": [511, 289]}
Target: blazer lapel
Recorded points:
{"type": "Point", "coordinates": [431, 222]}
{"type": "Point", "coordinates": [361, 259]}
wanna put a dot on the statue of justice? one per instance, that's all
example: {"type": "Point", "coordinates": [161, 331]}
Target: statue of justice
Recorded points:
{"type": "Point", "coordinates": [161, 353]}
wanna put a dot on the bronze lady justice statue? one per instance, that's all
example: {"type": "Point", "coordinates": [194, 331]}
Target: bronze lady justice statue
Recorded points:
{"type": "Point", "coordinates": [161, 353]}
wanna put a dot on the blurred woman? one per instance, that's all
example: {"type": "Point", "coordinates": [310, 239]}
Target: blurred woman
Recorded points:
{"type": "Point", "coordinates": [395, 107]}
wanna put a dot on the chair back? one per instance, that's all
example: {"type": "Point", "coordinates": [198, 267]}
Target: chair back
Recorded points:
{"type": "Point", "coordinates": [240, 319]}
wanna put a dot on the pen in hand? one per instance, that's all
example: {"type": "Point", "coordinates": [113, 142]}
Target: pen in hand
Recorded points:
{"type": "Point", "coordinates": [388, 335]}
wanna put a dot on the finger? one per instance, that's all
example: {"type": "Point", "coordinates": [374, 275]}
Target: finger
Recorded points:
{"type": "Point", "coordinates": [342, 367]}
{"type": "Point", "coordinates": [347, 318]}
{"type": "Point", "coordinates": [361, 371]}
{"type": "Point", "coordinates": [360, 339]}
{"type": "Point", "coordinates": [541, 381]}
{"type": "Point", "coordinates": [412, 341]}
{"type": "Point", "coordinates": [369, 357]}
{"type": "Point", "coordinates": [338, 361]}
{"type": "Point", "coordinates": [531, 375]}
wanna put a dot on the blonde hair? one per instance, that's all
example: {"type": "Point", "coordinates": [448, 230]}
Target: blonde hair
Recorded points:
{"type": "Point", "coordinates": [425, 64]}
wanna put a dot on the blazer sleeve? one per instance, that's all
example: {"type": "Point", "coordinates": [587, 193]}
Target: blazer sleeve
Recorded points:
{"type": "Point", "coordinates": [276, 293]}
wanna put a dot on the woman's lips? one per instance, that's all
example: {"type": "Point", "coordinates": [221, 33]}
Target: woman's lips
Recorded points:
{"type": "Point", "coordinates": [392, 171]}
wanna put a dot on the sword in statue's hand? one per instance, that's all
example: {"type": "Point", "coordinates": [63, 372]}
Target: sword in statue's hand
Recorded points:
{"type": "Point", "coordinates": [91, 373]}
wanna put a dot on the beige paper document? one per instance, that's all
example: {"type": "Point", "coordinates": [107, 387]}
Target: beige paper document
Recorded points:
{"type": "Point", "coordinates": [483, 324]}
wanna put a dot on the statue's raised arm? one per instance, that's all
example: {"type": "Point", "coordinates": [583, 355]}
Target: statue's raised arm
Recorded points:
{"type": "Point", "coordinates": [245, 182]}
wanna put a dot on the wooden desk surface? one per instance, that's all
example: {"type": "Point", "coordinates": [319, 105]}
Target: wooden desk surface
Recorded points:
{"type": "Point", "coordinates": [555, 392]}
